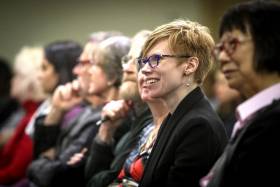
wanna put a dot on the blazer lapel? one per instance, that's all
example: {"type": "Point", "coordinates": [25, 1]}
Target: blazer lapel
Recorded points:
{"type": "Point", "coordinates": [166, 130]}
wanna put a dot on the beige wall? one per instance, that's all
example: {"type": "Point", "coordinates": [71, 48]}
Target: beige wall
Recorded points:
{"type": "Point", "coordinates": [38, 22]}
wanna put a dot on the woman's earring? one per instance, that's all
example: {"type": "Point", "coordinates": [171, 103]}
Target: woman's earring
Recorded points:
{"type": "Point", "coordinates": [188, 82]}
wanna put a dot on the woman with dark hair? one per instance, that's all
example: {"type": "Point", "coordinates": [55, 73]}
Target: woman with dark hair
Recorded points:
{"type": "Point", "coordinates": [45, 69]}
{"type": "Point", "coordinates": [249, 55]}
{"type": "Point", "coordinates": [55, 145]}
{"type": "Point", "coordinates": [59, 59]}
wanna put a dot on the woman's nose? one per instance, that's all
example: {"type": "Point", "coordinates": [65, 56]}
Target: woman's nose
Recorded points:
{"type": "Point", "coordinates": [223, 57]}
{"type": "Point", "coordinates": [146, 68]}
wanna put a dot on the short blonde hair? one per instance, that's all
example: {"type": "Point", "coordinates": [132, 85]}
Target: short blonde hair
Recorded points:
{"type": "Point", "coordinates": [28, 63]}
{"type": "Point", "coordinates": [186, 37]}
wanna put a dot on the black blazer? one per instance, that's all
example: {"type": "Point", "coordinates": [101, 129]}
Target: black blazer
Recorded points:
{"type": "Point", "coordinates": [188, 144]}
{"type": "Point", "coordinates": [251, 158]}
{"type": "Point", "coordinates": [44, 172]}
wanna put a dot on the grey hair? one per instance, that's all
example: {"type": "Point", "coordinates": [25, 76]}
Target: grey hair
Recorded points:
{"type": "Point", "coordinates": [97, 37]}
{"type": "Point", "coordinates": [112, 50]}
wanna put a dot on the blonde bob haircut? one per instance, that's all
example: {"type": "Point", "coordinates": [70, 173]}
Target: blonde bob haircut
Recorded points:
{"type": "Point", "coordinates": [185, 37]}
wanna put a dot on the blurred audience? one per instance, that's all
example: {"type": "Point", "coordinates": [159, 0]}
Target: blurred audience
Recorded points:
{"type": "Point", "coordinates": [50, 166]}
{"type": "Point", "coordinates": [10, 110]}
{"type": "Point", "coordinates": [16, 154]}
{"type": "Point", "coordinates": [123, 112]}
{"type": "Point", "coordinates": [107, 154]}
{"type": "Point", "coordinates": [227, 100]}
{"type": "Point", "coordinates": [60, 58]}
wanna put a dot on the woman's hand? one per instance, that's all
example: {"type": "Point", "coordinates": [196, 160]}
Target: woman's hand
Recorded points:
{"type": "Point", "coordinates": [115, 112]}
{"type": "Point", "coordinates": [64, 98]}
{"type": "Point", "coordinates": [77, 157]}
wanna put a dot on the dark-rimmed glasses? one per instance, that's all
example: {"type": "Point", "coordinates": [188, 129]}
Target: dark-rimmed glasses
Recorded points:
{"type": "Point", "coordinates": [228, 46]}
{"type": "Point", "coordinates": [154, 60]}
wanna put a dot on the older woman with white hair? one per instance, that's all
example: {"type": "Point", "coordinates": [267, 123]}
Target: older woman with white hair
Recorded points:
{"type": "Point", "coordinates": [27, 89]}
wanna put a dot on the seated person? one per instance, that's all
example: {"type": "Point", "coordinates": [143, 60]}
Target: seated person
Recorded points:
{"type": "Point", "coordinates": [54, 145]}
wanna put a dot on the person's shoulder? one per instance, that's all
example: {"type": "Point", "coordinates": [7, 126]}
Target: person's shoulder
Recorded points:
{"type": "Point", "coordinates": [268, 116]}
{"type": "Point", "coordinates": [203, 111]}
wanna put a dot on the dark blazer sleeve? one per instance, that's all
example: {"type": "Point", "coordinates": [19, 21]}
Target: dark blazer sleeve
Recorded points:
{"type": "Point", "coordinates": [46, 172]}
{"type": "Point", "coordinates": [100, 158]}
{"type": "Point", "coordinates": [45, 137]}
{"type": "Point", "coordinates": [101, 155]}
{"type": "Point", "coordinates": [105, 162]}
{"type": "Point", "coordinates": [100, 170]}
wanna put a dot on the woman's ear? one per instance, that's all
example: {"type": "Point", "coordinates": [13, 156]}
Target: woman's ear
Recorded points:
{"type": "Point", "coordinates": [191, 65]}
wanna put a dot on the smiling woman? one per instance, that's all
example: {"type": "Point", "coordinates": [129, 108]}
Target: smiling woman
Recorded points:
{"type": "Point", "coordinates": [175, 60]}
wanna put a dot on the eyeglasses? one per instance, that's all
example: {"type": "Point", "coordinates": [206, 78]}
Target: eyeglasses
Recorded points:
{"type": "Point", "coordinates": [228, 46]}
{"type": "Point", "coordinates": [83, 62]}
{"type": "Point", "coordinates": [154, 60]}
{"type": "Point", "coordinates": [95, 62]}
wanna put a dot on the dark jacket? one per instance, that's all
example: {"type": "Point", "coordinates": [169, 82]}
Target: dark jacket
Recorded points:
{"type": "Point", "coordinates": [44, 172]}
{"type": "Point", "coordinates": [9, 109]}
{"type": "Point", "coordinates": [188, 144]}
{"type": "Point", "coordinates": [105, 162]}
{"type": "Point", "coordinates": [251, 157]}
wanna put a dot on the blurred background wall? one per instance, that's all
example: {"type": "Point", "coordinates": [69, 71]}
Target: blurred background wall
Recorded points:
{"type": "Point", "coordinates": [38, 22]}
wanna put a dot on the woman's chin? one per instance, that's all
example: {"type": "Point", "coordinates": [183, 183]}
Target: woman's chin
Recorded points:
{"type": "Point", "coordinates": [148, 97]}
